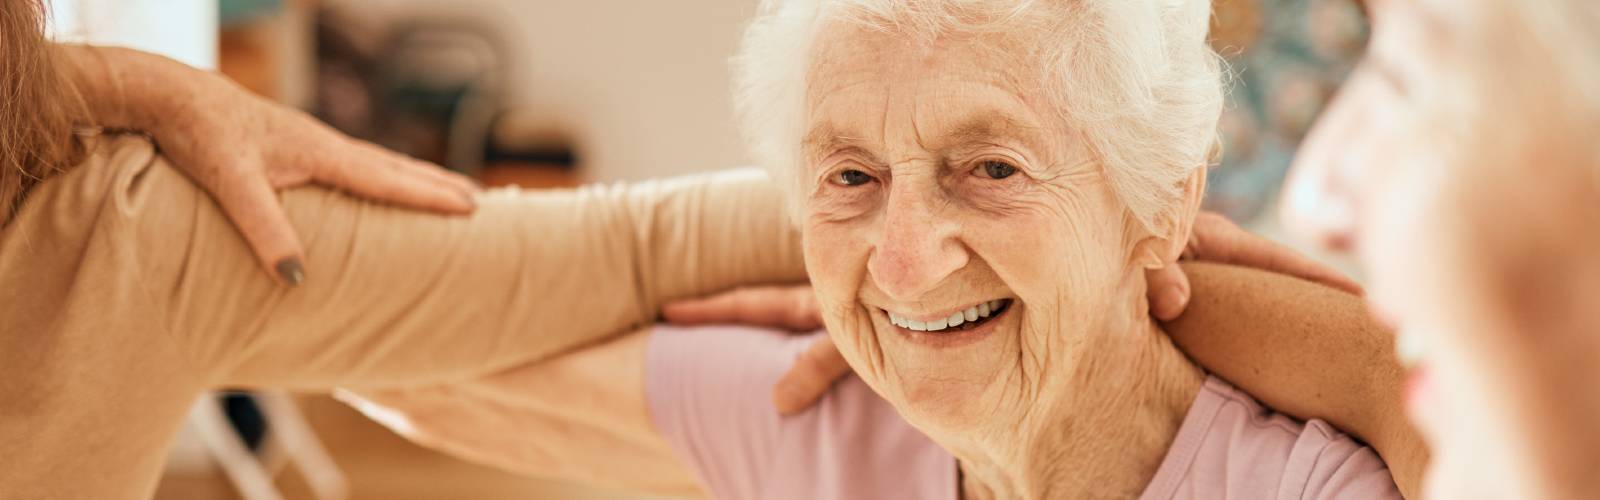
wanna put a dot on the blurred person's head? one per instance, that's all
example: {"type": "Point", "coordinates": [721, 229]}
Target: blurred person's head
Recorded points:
{"type": "Point", "coordinates": [38, 106]}
{"type": "Point", "coordinates": [1461, 162]}
{"type": "Point", "coordinates": [982, 185]}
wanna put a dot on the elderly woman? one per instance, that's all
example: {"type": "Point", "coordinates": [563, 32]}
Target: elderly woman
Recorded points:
{"type": "Point", "coordinates": [128, 293]}
{"type": "Point", "coordinates": [980, 187]}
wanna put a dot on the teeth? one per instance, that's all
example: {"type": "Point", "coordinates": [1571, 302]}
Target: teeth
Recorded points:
{"type": "Point", "coordinates": [956, 319]}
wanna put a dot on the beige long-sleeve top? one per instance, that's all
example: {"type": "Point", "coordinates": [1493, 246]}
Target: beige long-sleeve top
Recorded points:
{"type": "Point", "coordinates": [125, 293]}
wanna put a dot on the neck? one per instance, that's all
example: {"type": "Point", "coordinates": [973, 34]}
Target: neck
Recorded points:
{"type": "Point", "coordinates": [1107, 442]}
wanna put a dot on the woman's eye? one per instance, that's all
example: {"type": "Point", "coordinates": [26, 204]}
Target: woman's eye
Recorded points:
{"type": "Point", "coordinates": [852, 178]}
{"type": "Point", "coordinates": [995, 169]}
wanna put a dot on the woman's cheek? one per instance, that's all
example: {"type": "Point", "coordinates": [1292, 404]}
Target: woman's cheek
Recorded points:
{"type": "Point", "coordinates": [835, 254]}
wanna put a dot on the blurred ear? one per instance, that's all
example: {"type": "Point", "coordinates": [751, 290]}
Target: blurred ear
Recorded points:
{"type": "Point", "coordinates": [1165, 242]}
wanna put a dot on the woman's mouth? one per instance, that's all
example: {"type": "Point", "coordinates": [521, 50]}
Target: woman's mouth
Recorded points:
{"type": "Point", "coordinates": [963, 320]}
{"type": "Point", "coordinates": [1420, 394]}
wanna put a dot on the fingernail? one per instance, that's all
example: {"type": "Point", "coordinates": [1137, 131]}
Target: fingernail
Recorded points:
{"type": "Point", "coordinates": [472, 201]}
{"type": "Point", "coordinates": [291, 271]}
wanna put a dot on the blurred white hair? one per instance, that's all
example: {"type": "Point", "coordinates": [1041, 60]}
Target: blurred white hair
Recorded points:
{"type": "Point", "coordinates": [1136, 77]}
{"type": "Point", "coordinates": [1567, 33]}
{"type": "Point", "coordinates": [1570, 31]}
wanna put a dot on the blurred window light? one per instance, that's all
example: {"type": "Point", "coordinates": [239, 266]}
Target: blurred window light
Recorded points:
{"type": "Point", "coordinates": [185, 30]}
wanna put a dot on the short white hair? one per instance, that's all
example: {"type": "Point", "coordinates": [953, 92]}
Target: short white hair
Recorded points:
{"type": "Point", "coordinates": [1135, 76]}
{"type": "Point", "coordinates": [1568, 33]}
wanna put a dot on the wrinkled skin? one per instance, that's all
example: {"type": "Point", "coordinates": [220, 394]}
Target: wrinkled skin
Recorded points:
{"type": "Point", "coordinates": [933, 170]}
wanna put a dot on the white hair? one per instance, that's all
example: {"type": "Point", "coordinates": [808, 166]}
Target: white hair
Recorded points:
{"type": "Point", "coordinates": [1136, 77]}
{"type": "Point", "coordinates": [1568, 31]}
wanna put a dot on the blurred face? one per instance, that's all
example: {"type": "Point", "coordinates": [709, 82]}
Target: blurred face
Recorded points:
{"type": "Point", "coordinates": [967, 252]}
{"type": "Point", "coordinates": [1446, 214]}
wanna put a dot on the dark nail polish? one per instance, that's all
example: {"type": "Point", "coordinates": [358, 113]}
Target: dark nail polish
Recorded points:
{"type": "Point", "coordinates": [291, 271]}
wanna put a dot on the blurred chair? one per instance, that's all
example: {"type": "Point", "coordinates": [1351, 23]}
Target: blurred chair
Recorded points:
{"type": "Point", "coordinates": [288, 440]}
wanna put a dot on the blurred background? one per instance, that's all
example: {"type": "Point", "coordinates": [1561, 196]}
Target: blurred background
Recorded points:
{"type": "Point", "coordinates": [553, 94]}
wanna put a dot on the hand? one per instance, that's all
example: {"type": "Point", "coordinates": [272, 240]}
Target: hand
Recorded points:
{"type": "Point", "coordinates": [1214, 239]}
{"type": "Point", "coordinates": [792, 308]}
{"type": "Point", "coordinates": [241, 148]}
{"type": "Point", "coordinates": [1217, 239]}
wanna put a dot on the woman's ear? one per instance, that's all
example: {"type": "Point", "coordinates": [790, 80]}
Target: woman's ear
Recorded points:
{"type": "Point", "coordinates": [1163, 244]}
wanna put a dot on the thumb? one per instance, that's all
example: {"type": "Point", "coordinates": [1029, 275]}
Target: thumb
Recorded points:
{"type": "Point", "coordinates": [1168, 291]}
{"type": "Point", "coordinates": [248, 200]}
{"type": "Point", "coordinates": [811, 376]}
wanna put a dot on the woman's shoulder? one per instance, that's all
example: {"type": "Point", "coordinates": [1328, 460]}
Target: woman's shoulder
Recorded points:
{"type": "Point", "coordinates": [83, 200]}
{"type": "Point", "coordinates": [110, 162]}
{"type": "Point", "coordinates": [710, 392]}
{"type": "Point", "coordinates": [1230, 441]}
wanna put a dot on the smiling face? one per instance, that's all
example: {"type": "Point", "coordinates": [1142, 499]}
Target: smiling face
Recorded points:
{"type": "Point", "coordinates": [968, 253]}
{"type": "Point", "coordinates": [1447, 163]}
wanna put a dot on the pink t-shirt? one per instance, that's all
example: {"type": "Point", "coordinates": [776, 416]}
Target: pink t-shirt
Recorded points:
{"type": "Point", "coordinates": [710, 393]}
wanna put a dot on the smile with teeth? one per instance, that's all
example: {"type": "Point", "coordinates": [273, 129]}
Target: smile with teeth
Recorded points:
{"type": "Point", "coordinates": [966, 319]}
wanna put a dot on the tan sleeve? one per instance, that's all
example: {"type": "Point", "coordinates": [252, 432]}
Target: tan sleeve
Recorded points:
{"type": "Point", "coordinates": [400, 297]}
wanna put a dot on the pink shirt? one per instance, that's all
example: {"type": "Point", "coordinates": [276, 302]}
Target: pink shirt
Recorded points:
{"type": "Point", "coordinates": [710, 397]}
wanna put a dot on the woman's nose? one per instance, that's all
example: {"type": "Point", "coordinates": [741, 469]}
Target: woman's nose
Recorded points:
{"type": "Point", "coordinates": [918, 248]}
{"type": "Point", "coordinates": [1318, 205]}
{"type": "Point", "coordinates": [1317, 209]}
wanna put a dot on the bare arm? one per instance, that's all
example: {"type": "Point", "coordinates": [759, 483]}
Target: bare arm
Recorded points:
{"type": "Point", "coordinates": [1306, 350]}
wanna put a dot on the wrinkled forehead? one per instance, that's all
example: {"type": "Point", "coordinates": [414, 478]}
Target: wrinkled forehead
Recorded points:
{"type": "Point", "coordinates": [959, 86]}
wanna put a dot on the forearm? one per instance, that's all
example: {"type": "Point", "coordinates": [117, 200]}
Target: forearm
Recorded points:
{"type": "Point", "coordinates": [1306, 350]}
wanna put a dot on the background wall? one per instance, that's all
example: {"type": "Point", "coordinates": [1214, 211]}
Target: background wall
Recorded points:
{"type": "Point", "coordinates": [640, 88]}
{"type": "Point", "coordinates": [185, 30]}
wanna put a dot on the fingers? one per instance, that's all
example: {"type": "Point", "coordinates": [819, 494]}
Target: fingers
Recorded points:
{"type": "Point", "coordinates": [788, 307]}
{"type": "Point", "coordinates": [1168, 292]}
{"type": "Point", "coordinates": [811, 376]}
{"type": "Point", "coordinates": [437, 174]}
{"type": "Point", "coordinates": [1217, 239]}
{"type": "Point", "coordinates": [382, 175]}
{"type": "Point", "coordinates": [249, 201]}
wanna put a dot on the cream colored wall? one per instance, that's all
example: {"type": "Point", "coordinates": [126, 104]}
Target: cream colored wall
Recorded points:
{"type": "Point", "coordinates": [640, 85]}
